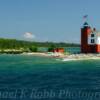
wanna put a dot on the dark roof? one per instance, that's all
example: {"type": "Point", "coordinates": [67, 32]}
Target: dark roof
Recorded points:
{"type": "Point", "coordinates": [86, 24]}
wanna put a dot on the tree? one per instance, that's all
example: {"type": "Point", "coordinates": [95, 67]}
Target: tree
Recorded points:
{"type": "Point", "coordinates": [33, 49]}
{"type": "Point", "coordinates": [51, 48]}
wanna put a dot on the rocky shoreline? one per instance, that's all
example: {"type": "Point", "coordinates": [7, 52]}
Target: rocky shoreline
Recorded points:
{"type": "Point", "coordinates": [62, 56]}
{"type": "Point", "coordinates": [66, 57]}
{"type": "Point", "coordinates": [81, 57]}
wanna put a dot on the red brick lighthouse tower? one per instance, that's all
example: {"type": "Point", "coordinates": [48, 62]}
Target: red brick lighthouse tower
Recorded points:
{"type": "Point", "coordinates": [85, 31]}
{"type": "Point", "coordinates": [90, 39]}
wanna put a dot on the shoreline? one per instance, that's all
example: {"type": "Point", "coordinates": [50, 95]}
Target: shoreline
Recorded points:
{"type": "Point", "coordinates": [63, 57]}
{"type": "Point", "coordinates": [66, 57]}
{"type": "Point", "coordinates": [75, 57]}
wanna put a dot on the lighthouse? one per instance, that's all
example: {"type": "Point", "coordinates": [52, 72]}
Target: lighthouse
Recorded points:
{"type": "Point", "coordinates": [90, 39]}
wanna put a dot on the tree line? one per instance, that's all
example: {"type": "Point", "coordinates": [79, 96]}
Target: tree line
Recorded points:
{"type": "Point", "coordinates": [30, 46]}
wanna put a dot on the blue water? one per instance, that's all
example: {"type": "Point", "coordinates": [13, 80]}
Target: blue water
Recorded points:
{"type": "Point", "coordinates": [67, 49]}
{"type": "Point", "coordinates": [24, 77]}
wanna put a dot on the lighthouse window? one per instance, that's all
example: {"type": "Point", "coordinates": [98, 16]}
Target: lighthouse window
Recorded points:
{"type": "Point", "coordinates": [92, 40]}
{"type": "Point", "coordinates": [92, 35]}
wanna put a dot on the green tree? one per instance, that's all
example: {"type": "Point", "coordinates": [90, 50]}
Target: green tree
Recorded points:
{"type": "Point", "coordinates": [33, 49]}
{"type": "Point", "coordinates": [51, 48]}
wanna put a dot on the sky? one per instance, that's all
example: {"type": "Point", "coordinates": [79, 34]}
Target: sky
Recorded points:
{"type": "Point", "coordinates": [47, 20]}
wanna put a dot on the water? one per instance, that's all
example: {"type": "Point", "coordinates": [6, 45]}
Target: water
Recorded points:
{"type": "Point", "coordinates": [24, 77]}
{"type": "Point", "coordinates": [72, 49]}
{"type": "Point", "coordinates": [67, 49]}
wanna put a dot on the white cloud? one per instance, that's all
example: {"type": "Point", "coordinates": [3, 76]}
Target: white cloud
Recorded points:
{"type": "Point", "coordinates": [29, 35]}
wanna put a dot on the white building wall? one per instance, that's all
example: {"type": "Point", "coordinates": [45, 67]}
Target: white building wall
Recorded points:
{"type": "Point", "coordinates": [89, 39]}
{"type": "Point", "coordinates": [98, 40]}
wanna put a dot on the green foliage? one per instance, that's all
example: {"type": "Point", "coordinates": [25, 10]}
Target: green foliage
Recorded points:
{"type": "Point", "coordinates": [33, 49]}
{"type": "Point", "coordinates": [51, 48]}
{"type": "Point", "coordinates": [27, 46]}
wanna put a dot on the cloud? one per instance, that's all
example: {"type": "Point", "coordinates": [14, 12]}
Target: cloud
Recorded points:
{"type": "Point", "coordinates": [29, 35]}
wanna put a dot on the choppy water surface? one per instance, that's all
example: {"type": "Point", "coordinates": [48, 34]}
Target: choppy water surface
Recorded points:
{"type": "Point", "coordinates": [24, 77]}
